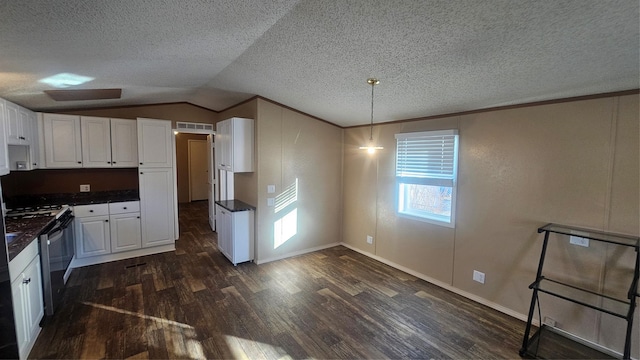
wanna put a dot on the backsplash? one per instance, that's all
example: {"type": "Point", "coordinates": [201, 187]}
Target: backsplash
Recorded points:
{"type": "Point", "coordinates": [52, 181]}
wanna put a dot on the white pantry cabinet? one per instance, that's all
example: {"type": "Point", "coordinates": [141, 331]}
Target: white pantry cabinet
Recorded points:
{"type": "Point", "coordinates": [234, 145]}
{"type": "Point", "coordinates": [62, 139]}
{"type": "Point", "coordinates": [157, 207]}
{"type": "Point", "coordinates": [154, 143]}
{"type": "Point", "coordinates": [4, 151]}
{"type": "Point", "coordinates": [26, 290]}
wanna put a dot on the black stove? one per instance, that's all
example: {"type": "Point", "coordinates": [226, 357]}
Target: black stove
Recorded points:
{"type": "Point", "coordinates": [31, 212]}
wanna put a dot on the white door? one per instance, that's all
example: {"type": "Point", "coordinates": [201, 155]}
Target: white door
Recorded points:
{"type": "Point", "coordinates": [198, 170]}
{"type": "Point", "coordinates": [96, 141]}
{"type": "Point", "coordinates": [157, 207]}
{"type": "Point", "coordinates": [124, 143]}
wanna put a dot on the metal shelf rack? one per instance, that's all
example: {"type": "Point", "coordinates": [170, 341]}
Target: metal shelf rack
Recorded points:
{"type": "Point", "coordinates": [622, 308]}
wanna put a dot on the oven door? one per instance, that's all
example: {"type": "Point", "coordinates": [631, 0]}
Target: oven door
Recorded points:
{"type": "Point", "coordinates": [56, 250]}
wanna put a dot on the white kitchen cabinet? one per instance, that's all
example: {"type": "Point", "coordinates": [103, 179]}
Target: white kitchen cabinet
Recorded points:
{"type": "Point", "coordinates": [235, 234]}
{"type": "Point", "coordinates": [4, 150]}
{"type": "Point", "coordinates": [62, 138]}
{"type": "Point", "coordinates": [26, 289]}
{"type": "Point", "coordinates": [157, 208]}
{"type": "Point", "coordinates": [19, 126]}
{"type": "Point", "coordinates": [126, 232]}
{"type": "Point", "coordinates": [96, 141]}
{"type": "Point", "coordinates": [154, 143]}
{"type": "Point", "coordinates": [108, 142]}
{"type": "Point", "coordinates": [37, 141]}
{"type": "Point", "coordinates": [92, 231]}
{"type": "Point", "coordinates": [124, 143]}
{"type": "Point", "coordinates": [234, 145]}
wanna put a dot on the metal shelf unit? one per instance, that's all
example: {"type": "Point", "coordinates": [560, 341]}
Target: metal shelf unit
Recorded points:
{"type": "Point", "coordinates": [622, 308]}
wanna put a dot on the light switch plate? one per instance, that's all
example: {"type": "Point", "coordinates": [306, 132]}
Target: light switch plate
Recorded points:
{"type": "Point", "coordinates": [85, 188]}
{"type": "Point", "coordinates": [271, 189]}
{"type": "Point", "coordinates": [478, 276]}
{"type": "Point", "coordinates": [580, 241]}
{"type": "Point", "coordinates": [270, 201]}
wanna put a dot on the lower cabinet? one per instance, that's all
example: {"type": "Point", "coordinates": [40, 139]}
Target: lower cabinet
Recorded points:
{"type": "Point", "coordinates": [235, 234]}
{"type": "Point", "coordinates": [103, 229]}
{"type": "Point", "coordinates": [26, 290]}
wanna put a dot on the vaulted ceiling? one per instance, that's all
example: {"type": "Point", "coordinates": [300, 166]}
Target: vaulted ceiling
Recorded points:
{"type": "Point", "coordinates": [432, 57]}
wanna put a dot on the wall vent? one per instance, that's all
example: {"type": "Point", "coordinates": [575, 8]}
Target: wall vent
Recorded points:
{"type": "Point", "coordinates": [193, 126]}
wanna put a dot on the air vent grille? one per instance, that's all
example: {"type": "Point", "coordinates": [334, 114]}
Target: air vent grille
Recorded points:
{"type": "Point", "coordinates": [193, 126]}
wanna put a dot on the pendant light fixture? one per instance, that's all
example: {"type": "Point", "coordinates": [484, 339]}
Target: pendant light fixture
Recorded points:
{"type": "Point", "coordinates": [371, 147]}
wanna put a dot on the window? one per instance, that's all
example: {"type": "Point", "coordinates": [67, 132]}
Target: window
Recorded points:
{"type": "Point", "coordinates": [426, 175]}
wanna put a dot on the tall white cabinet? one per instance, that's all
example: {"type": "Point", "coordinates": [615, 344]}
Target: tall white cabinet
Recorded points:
{"type": "Point", "coordinates": [157, 190]}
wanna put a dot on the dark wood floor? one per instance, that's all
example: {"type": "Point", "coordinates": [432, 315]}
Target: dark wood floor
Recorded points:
{"type": "Point", "coordinates": [335, 303]}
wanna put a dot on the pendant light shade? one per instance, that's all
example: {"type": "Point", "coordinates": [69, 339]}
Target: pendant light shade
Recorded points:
{"type": "Point", "coordinates": [371, 147]}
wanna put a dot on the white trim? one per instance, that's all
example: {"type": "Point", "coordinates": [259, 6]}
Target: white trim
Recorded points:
{"type": "Point", "coordinates": [445, 286]}
{"type": "Point", "coordinates": [76, 263]}
{"type": "Point", "coordinates": [296, 253]}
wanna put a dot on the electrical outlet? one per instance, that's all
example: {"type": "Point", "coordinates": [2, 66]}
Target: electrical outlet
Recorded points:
{"type": "Point", "coordinates": [580, 241]}
{"type": "Point", "coordinates": [85, 188]}
{"type": "Point", "coordinates": [549, 321]}
{"type": "Point", "coordinates": [369, 239]}
{"type": "Point", "coordinates": [478, 276]}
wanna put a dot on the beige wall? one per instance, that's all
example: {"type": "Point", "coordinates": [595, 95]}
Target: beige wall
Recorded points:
{"type": "Point", "coordinates": [572, 163]}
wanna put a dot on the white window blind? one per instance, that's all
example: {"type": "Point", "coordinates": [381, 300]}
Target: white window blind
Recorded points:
{"type": "Point", "coordinates": [427, 158]}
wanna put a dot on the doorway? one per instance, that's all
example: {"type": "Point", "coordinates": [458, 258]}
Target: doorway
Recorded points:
{"type": "Point", "coordinates": [198, 170]}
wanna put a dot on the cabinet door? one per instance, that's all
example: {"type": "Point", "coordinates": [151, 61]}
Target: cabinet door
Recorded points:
{"type": "Point", "coordinates": [13, 124]}
{"type": "Point", "coordinates": [154, 143]}
{"type": "Point", "coordinates": [157, 208]}
{"type": "Point", "coordinates": [96, 142]}
{"type": "Point", "coordinates": [4, 151]}
{"type": "Point", "coordinates": [32, 284]}
{"type": "Point", "coordinates": [24, 126]}
{"type": "Point", "coordinates": [241, 145]}
{"type": "Point", "coordinates": [223, 151]}
{"type": "Point", "coordinates": [124, 143]}
{"type": "Point", "coordinates": [223, 225]}
{"type": "Point", "coordinates": [20, 313]}
{"type": "Point", "coordinates": [92, 236]}
{"type": "Point", "coordinates": [34, 149]}
{"type": "Point", "coordinates": [62, 140]}
{"type": "Point", "coordinates": [125, 232]}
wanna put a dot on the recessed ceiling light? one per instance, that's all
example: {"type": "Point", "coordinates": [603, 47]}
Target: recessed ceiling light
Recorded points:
{"type": "Point", "coordinates": [64, 80]}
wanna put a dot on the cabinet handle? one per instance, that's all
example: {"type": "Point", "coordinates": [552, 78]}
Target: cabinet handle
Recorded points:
{"type": "Point", "coordinates": [141, 173]}
{"type": "Point", "coordinates": [35, 164]}
{"type": "Point", "coordinates": [125, 208]}
{"type": "Point", "coordinates": [108, 162]}
{"type": "Point", "coordinates": [113, 162]}
{"type": "Point", "coordinates": [140, 163]}
{"type": "Point", "coordinates": [138, 217]}
{"type": "Point", "coordinates": [90, 210]}
{"type": "Point", "coordinates": [106, 221]}
{"type": "Point", "coordinates": [79, 162]}
{"type": "Point", "coordinates": [26, 281]}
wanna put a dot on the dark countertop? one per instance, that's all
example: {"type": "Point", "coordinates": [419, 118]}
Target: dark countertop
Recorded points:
{"type": "Point", "coordinates": [27, 230]}
{"type": "Point", "coordinates": [81, 198]}
{"type": "Point", "coordinates": [235, 205]}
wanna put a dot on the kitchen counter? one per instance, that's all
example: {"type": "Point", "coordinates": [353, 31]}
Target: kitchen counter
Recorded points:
{"type": "Point", "coordinates": [235, 205]}
{"type": "Point", "coordinates": [71, 199]}
{"type": "Point", "coordinates": [26, 231]}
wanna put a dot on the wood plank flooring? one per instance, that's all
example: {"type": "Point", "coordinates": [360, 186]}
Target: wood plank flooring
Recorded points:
{"type": "Point", "coordinates": [335, 303]}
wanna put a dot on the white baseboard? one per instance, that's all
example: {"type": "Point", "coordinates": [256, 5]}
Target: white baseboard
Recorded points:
{"type": "Point", "coordinates": [296, 253]}
{"type": "Point", "coordinates": [76, 263]}
{"type": "Point", "coordinates": [445, 286]}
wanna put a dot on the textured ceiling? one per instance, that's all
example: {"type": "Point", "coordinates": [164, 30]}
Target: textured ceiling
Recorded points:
{"type": "Point", "coordinates": [433, 57]}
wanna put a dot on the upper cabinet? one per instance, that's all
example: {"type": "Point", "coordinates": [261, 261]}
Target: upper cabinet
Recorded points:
{"type": "Point", "coordinates": [62, 140]}
{"type": "Point", "coordinates": [154, 143]}
{"type": "Point", "coordinates": [234, 145]}
{"type": "Point", "coordinates": [4, 152]}
{"type": "Point", "coordinates": [91, 142]}
{"type": "Point", "coordinates": [108, 142]}
{"type": "Point", "coordinates": [19, 124]}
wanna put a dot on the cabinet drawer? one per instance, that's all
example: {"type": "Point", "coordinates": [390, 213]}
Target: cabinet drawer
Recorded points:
{"type": "Point", "coordinates": [22, 260]}
{"type": "Point", "coordinates": [124, 207]}
{"type": "Point", "coordinates": [91, 210]}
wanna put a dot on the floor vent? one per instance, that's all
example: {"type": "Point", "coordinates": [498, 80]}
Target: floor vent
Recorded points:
{"type": "Point", "coordinates": [193, 126]}
{"type": "Point", "coordinates": [134, 265]}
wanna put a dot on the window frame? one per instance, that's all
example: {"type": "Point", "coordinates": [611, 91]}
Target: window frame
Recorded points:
{"type": "Point", "coordinates": [448, 179]}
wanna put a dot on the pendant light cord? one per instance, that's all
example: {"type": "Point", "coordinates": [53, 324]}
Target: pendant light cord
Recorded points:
{"type": "Point", "coordinates": [373, 84]}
